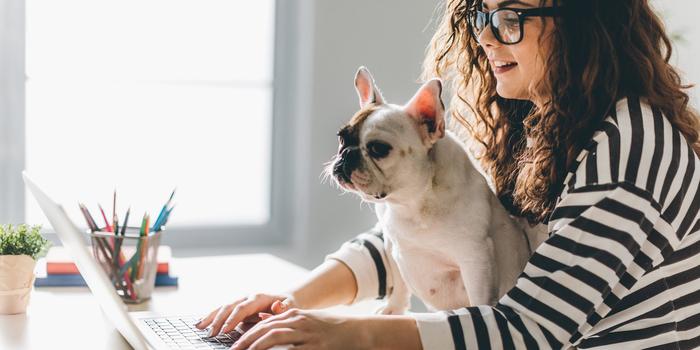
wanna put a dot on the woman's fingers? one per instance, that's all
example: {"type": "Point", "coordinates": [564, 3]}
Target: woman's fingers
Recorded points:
{"type": "Point", "coordinates": [222, 315]}
{"type": "Point", "coordinates": [204, 322]}
{"type": "Point", "coordinates": [278, 336]}
{"type": "Point", "coordinates": [245, 310]}
{"type": "Point", "coordinates": [285, 320]}
{"type": "Point", "coordinates": [279, 307]}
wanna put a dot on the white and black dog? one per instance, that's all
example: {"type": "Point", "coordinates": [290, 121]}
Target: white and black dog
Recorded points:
{"type": "Point", "coordinates": [451, 239]}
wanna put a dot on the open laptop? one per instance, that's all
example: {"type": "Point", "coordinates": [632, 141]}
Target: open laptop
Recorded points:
{"type": "Point", "coordinates": [142, 330]}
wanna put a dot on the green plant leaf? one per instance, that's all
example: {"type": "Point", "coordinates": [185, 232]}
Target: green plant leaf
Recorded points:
{"type": "Point", "coordinates": [23, 240]}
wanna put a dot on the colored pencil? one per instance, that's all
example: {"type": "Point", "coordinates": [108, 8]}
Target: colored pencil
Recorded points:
{"type": "Point", "coordinates": [167, 216]}
{"type": "Point", "coordinates": [115, 221]}
{"type": "Point", "coordinates": [161, 216]}
{"type": "Point", "coordinates": [108, 227]}
{"type": "Point", "coordinates": [144, 250]}
{"type": "Point", "coordinates": [90, 221]}
{"type": "Point", "coordinates": [137, 255]}
{"type": "Point", "coordinates": [127, 279]}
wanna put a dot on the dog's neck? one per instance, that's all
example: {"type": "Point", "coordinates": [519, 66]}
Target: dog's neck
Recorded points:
{"type": "Point", "coordinates": [449, 175]}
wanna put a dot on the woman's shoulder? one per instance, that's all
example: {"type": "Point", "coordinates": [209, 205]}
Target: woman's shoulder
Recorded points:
{"type": "Point", "coordinates": [638, 146]}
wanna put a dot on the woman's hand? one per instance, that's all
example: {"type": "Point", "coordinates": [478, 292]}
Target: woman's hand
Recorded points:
{"type": "Point", "coordinates": [329, 284]}
{"type": "Point", "coordinates": [224, 319]}
{"type": "Point", "coordinates": [307, 329]}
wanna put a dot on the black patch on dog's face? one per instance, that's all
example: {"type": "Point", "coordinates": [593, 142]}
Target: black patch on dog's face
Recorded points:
{"type": "Point", "coordinates": [349, 153]}
{"type": "Point", "coordinates": [347, 137]}
{"type": "Point", "coordinates": [349, 156]}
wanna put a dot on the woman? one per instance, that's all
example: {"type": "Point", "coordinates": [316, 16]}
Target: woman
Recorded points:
{"type": "Point", "coordinates": [583, 126]}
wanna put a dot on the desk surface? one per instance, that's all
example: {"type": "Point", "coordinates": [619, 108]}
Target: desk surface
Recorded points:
{"type": "Point", "coordinates": [70, 317]}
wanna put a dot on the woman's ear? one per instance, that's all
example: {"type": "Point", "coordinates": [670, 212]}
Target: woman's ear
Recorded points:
{"type": "Point", "coordinates": [367, 91]}
{"type": "Point", "coordinates": [427, 109]}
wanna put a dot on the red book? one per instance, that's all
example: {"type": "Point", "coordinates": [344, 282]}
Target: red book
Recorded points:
{"type": "Point", "coordinates": [59, 262]}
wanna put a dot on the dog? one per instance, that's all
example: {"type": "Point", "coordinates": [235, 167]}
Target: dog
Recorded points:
{"type": "Point", "coordinates": [445, 231]}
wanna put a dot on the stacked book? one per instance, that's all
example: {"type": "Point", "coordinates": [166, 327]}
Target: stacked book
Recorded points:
{"type": "Point", "coordinates": [62, 272]}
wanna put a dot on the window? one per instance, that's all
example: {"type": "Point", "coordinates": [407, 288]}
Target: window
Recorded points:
{"type": "Point", "coordinates": [147, 96]}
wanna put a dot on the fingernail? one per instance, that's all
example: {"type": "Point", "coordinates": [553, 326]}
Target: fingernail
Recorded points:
{"type": "Point", "coordinates": [198, 322]}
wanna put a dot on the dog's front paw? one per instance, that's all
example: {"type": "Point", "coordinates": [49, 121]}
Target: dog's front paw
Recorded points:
{"type": "Point", "coordinates": [390, 309]}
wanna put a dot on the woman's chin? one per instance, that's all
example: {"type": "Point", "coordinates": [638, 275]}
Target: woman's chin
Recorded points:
{"type": "Point", "coordinates": [508, 91]}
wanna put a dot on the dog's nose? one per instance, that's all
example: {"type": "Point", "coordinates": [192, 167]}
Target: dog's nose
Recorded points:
{"type": "Point", "coordinates": [349, 160]}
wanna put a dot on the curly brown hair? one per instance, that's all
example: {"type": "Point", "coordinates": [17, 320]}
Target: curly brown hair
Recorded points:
{"type": "Point", "coordinates": [600, 52]}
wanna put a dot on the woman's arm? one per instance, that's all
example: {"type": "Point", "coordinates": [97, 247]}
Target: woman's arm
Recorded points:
{"type": "Point", "coordinates": [331, 283]}
{"type": "Point", "coordinates": [358, 270]}
{"type": "Point", "coordinates": [391, 332]}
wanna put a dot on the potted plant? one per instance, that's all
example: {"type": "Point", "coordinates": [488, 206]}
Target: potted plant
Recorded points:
{"type": "Point", "coordinates": [20, 247]}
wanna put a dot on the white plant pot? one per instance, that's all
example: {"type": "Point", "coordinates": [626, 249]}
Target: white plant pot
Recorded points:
{"type": "Point", "coordinates": [16, 281]}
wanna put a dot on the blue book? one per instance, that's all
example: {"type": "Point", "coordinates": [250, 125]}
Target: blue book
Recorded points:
{"type": "Point", "coordinates": [76, 280]}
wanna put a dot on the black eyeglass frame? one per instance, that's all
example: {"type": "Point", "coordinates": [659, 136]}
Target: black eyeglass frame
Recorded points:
{"type": "Point", "coordinates": [522, 14]}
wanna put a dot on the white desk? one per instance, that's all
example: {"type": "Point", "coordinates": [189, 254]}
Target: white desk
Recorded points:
{"type": "Point", "coordinates": [70, 318]}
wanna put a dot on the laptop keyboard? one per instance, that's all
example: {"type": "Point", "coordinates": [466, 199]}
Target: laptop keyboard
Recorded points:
{"type": "Point", "coordinates": [180, 333]}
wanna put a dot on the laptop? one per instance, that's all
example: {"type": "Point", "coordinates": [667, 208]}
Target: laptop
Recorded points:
{"type": "Point", "coordinates": [143, 329]}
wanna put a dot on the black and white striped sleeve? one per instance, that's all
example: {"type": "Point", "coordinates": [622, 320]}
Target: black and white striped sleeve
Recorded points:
{"type": "Point", "coordinates": [367, 258]}
{"type": "Point", "coordinates": [598, 249]}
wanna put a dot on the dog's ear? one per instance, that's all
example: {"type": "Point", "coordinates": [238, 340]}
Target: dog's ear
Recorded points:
{"type": "Point", "coordinates": [367, 91]}
{"type": "Point", "coordinates": [427, 110]}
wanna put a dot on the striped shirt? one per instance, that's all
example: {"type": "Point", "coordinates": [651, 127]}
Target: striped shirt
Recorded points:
{"type": "Point", "coordinates": [621, 266]}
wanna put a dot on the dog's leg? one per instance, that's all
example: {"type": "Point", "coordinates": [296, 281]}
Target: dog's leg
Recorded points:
{"type": "Point", "coordinates": [398, 301]}
{"type": "Point", "coordinates": [399, 297]}
{"type": "Point", "coordinates": [480, 274]}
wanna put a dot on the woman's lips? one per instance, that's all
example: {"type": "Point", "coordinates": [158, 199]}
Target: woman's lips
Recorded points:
{"type": "Point", "coordinates": [503, 69]}
{"type": "Point", "coordinates": [502, 66]}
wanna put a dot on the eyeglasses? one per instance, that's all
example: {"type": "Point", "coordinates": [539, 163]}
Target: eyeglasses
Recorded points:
{"type": "Point", "coordinates": [506, 23]}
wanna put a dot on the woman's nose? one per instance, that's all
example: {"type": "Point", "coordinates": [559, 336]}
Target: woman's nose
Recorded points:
{"type": "Point", "coordinates": [486, 38]}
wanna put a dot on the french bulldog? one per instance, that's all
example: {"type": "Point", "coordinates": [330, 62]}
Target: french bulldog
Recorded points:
{"type": "Point", "coordinates": [445, 231]}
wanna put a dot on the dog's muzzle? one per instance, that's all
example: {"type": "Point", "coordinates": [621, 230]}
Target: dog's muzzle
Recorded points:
{"type": "Point", "coordinates": [348, 161]}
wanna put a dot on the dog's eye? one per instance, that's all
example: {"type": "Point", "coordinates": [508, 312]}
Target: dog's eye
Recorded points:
{"type": "Point", "coordinates": [378, 149]}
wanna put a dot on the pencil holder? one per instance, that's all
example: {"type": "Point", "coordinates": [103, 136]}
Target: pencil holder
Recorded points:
{"type": "Point", "coordinates": [130, 261]}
